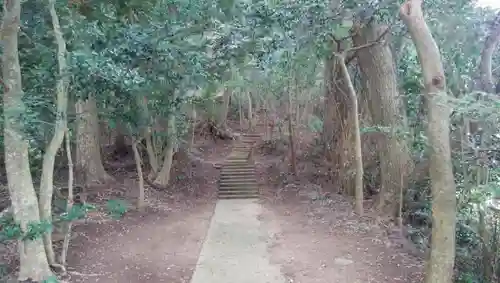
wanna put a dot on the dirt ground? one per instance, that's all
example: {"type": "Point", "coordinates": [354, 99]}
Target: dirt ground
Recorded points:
{"type": "Point", "coordinates": [161, 244]}
{"type": "Point", "coordinates": [316, 239]}
{"type": "Point", "coordinates": [156, 246]}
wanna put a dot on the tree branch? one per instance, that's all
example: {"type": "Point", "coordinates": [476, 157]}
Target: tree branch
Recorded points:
{"type": "Point", "coordinates": [379, 40]}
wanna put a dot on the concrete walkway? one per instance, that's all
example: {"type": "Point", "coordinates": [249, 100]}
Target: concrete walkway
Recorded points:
{"type": "Point", "coordinates": [235, 248]}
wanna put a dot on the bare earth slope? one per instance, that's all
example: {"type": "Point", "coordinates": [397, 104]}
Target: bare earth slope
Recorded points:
{"type": "Point", "coordinates": [320, 240]}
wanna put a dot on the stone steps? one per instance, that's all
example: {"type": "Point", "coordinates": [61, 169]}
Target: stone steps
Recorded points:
{"type": "Point", "coordinates": [237, 177]}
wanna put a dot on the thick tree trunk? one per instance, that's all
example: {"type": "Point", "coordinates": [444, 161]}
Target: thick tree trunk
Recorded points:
{"type": "Point", "coordinates": [47, 179]}
{"type": "Point", "coordinates": [442, 256]}
{"type": "Point", "coordinates": [163, 176]}
{"type": "Point", "coordinates": [33, 260]}
{"type": "Point", "coordinates": [88, 155]}
{"type": "Point", "coordinates": [377, 68]}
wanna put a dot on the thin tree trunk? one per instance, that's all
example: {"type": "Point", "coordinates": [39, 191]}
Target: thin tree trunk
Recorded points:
{"type": "Point", "coordinates": [485, 74]}
{"type": "Point", "coordinates": [240, 106]}
{"type": "Point", "coordinates": [266, 121]}
{"type": "Point", "coordinates": [150, 149]}
{"type": "Point", "coordinates": [226, 97]}
{"type": "Point", "coordinates": [250, 112]}
{"type": "Point", "coordinates": [193, 128]}
{"type": "Point", "coordinates": [32, 256]}
{"type": "Point", "coordinates": [138, 165]}
{"type": "Point", "coordinates": [148, 131]}
{"type": "Point", "coordinates": [163, 177]}
{"type": "Point", "coordinates": [297, 107]}
{"type": "Point", "coordinates": [293, 155]}
{"type": "Point", "coordinates": [485, 80]}
{"type": "Point", "coordinates": [358, 156]}
{"type": "Point", "coordinates": [69, 206]}
{"type": "Point", "coordinates": [336, 134]}
{"type": "Point", "coordinates": [485, 83]}
{"type": "Point", "coordinates": [442, 255]}
{"type": "Point", "coordinates": [304, 118]}
{"type": "Point", "coordinates": [47, 178]}
{"type": "Point", "coordinates": [88, 155]}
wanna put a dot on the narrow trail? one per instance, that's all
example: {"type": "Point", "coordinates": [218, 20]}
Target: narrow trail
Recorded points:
{"type": "Point", "coordinates": [236, 247]}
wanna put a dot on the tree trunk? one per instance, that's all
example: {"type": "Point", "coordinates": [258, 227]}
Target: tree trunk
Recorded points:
{"type": "Point", "coordinates": [138, 165]}
{"type": "Point", "coordinates": [226, 97]}
{"type": "Point", "coordinates": [163, 177]}
{"type": "Point", "coordinates": [266, 121]}
{"type": "Point", "coordinates": [193, 128]}
{"type": "Point", "coordinates": [240, 106]}
{"type": "Point", "coordinates": [88, 155]}
{"type": "Point", "coordinates": [33, 260]}
{"type": "Point", "coordinates": [485, 74]}
{"type": "Point", "coordinates": [487, 260]}
{"type": "Point", "coordinates": [150, 149]}
{"type": "Point", "coordinates": [121, 148]}
{"type": "Point", "coordinates": [358, 156]}
{"type": "Point", "coordinates": [485, 80]}
{"type": "Point", "coordinates": [297, 107]}
{"type": "Point", "coordinates": [336, 135]}
{"type": "Point", "coordinates": [250, 113]}
{"type": "Point", "coordinates": [442, 256]}
{"type": "Point", "coordinates": [377, 69]}
{"type": "Point", "coordinates": [485, 83]}
{"type": "Point", "coordinates": [69, 206]}
{"type": "Point", "coordinates": [47, 178]}
{"type": "Point", "coordinates": [305, 117]}
{"type": "Point", "coordinates": [291, 136]}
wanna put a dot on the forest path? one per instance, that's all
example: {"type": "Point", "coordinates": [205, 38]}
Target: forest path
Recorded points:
{"type": "Point", "coordinates": [236, 247]}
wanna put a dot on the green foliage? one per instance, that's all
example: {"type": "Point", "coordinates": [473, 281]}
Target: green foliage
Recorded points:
{"type": "Point", "coordinates": [117, 208]}
{"type": "Point", "coordinates": [3, 272]}
{"type": "Point", "coordinates": [78, 211]}
{"type": "Point", "coordinates": [316, 124]}
{"type": "Point", "coordinates": [10, 230]}
{"type": "Point", "coordinates": [375, 129]}
{"type": "Point", "coordinates": [52, 279]}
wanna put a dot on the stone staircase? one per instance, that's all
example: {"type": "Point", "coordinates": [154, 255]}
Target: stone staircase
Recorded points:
{"type": "Point", "coordinates": [237, 177]}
